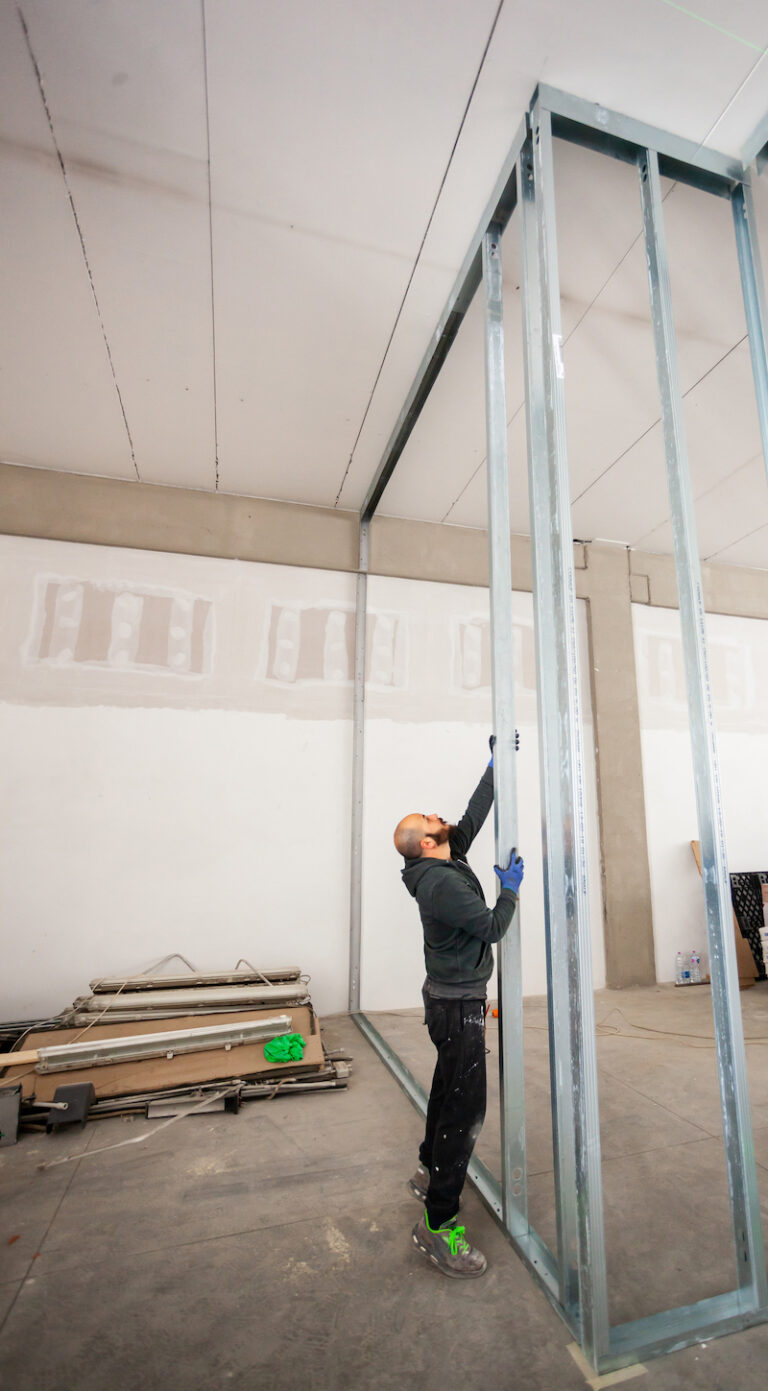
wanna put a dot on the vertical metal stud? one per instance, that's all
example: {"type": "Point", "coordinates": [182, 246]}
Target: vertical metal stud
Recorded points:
{"type": "Point", "coordinates": [578, 1188]}
{"type": "Point", "coordinates": [510, 986]}
{"type": "Point", "coordinates": [358, 769]}
{"type": "Point", "coordinates": [753, 291]}
{"type": "Point", "coordinates": [729, 1039]}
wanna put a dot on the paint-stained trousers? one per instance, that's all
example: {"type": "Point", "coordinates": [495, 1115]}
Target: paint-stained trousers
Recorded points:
{"type": "Point", "coordinates": [456, 1109]}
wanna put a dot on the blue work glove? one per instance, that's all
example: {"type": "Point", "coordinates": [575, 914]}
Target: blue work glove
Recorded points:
{"type": "Point", "coordinates": [512, 876]}
{"type": "Point", "coordinates": [492, 745]}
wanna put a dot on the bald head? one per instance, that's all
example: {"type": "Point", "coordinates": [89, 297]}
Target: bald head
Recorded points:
{"type": "Point", "coordinates": [409, 834]}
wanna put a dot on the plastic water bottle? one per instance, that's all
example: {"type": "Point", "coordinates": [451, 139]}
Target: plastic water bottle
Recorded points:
{"type": "Point", "coordinates": [695, 968]}
{"type": "Point", "coordinates": [679, 969]}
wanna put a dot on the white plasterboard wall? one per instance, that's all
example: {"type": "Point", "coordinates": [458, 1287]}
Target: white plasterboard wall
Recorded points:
{"type": "Point", "coordinates": [150, 809]}
{"type": "Point", "coordinates": [177, 769]}
{"type": "Point", "coordinates": [738, 652]}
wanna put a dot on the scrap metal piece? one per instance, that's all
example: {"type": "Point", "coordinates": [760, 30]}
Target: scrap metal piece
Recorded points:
{"type": "Point", "coordinates": [194, 979]}
{"type": "Point", "coordinates": [100, 1052]}
{"type": "Point", "coordinates": [245, 996]}
{"type": "Point", "coordinates": [281, 1087]}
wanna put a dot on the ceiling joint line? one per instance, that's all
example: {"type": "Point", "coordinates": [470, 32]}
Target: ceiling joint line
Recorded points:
{"type": "Point", "coordinates": [414, 268]}
{"type": "Point", "coordinates": [710, 24]}
{"type": "Point", "coordinates": [656, 422]}
{"type": "Point", "coordinates": [473, 475]}
{"type": "Point", "coordinates": [762, 527]}
{"type": "Point", "coordinates": [734, 98]}
{"type": "Point", "coordinates": [728, 478]}
{"type": "Point", "coordinates": [78, 228]}
{"type": "Point", "coordinates": [210, 245]}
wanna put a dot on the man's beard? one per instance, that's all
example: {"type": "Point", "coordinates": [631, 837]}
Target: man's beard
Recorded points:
{"type": "Point", "coordinates": [440, 837]}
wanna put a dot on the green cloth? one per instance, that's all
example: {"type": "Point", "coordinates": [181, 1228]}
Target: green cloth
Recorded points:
{"type": "Point", "coordinates": [288, 1048]}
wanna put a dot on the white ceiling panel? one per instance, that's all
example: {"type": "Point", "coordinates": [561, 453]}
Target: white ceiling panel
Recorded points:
{"type": "Point", "coordinates": [703, 269]}
{"type": "Point", "coordinates": [471, 508]}
{"type": "Point", "coordinates": [658, 63]}
{"type": "Point", "coordinates": [610, 391]}
{"type": "Point", "coordinates": [308, 153]}
{"type": "Point", "coordinates": [58, 404]}
{"type": "Point", "coordinates": [348, 176]}
{"type": "Point", "coordinates": [721, 420]}
{"type": "Point", "coordinates": [599, 217]}
{"type": "Point", "coordinates": [126, 92]}
{"type": "Point", "coordinates": [745, 18]}
{"type": "Point", "coordinates": [447, 445]}
{"type": "Point", "coordinates": [448, 441]}
{"type": "Point", "coordinates": [318, 112]}
{"type": "Point", "coordinates": [629, 500]}
{"type": "Point", "coordinates": [298, 360]}
{"type": "Point", "coordinates": [725, 514]}
{"type": "Point", "coordinates": [502, 95]}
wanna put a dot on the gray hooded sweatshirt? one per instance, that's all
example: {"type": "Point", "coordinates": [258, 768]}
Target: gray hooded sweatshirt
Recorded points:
{"type": "Point", "coordinates": [459, 928]}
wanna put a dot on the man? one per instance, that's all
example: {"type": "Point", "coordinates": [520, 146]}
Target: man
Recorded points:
{"type": "Point", "coordinates": [459, 929]}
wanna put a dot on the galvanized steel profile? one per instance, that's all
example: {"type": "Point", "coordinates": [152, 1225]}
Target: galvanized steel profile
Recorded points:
{"type": "Point", "coordinates": [575, 1278]}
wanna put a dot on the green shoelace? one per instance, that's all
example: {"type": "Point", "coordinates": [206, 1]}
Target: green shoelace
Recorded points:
{"type": "Point", "coordinates": [456, 1241]}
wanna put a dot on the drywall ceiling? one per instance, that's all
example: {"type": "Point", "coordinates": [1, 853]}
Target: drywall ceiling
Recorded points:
{"type": "Point", "coordinates": [229, 228]}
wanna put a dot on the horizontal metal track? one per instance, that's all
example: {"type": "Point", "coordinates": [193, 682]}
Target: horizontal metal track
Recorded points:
{"type": "Point", "coordinates": [498, 211]}
{"type": "Point", "coordinates": [679, 1328]}
{"type": "Point", "coordinates": [588, 123]}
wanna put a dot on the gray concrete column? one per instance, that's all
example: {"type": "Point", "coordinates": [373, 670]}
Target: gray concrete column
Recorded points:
{"type": "Point", "coordinates": [628, 918]}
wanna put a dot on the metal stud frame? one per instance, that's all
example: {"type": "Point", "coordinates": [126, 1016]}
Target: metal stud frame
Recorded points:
{"type": "Point", "coordinates": [574, 1278]}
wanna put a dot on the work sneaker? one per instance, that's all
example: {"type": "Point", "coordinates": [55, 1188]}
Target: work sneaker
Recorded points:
{"type": "Point", "coordinates": [419, 1184]}
{"type": "Point", "coordinates": [449, 1250]}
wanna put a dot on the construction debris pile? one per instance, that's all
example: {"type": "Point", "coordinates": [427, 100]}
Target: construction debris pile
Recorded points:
{"type": "Point", "coordinates": [166, 1045]}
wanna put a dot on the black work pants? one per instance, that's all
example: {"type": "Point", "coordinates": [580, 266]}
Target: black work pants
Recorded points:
{"type": "Point", "coordinates": [456, 1109]}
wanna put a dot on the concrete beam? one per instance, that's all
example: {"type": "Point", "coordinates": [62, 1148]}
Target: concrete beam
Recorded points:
{"type": "Point", "coordinates": [143, 516]}
{"type": "Point", "coordinates": [730, 589]}
{"type": "Point", "coordinates": [627, 909]}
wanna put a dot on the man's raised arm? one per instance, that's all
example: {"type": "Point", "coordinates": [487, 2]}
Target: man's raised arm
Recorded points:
{"type": "Point", "coordinates": [480, 804]}
{"type": "Point", "coordinates": [472, 821]}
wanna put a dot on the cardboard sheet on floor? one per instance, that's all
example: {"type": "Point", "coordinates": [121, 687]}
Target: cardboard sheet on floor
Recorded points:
{"type": "Point", "coordinates": [156, 1074]}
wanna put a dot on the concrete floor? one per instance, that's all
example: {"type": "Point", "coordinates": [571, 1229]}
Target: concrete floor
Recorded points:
{"type": "Point", "coordinates": [273, 1247]}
